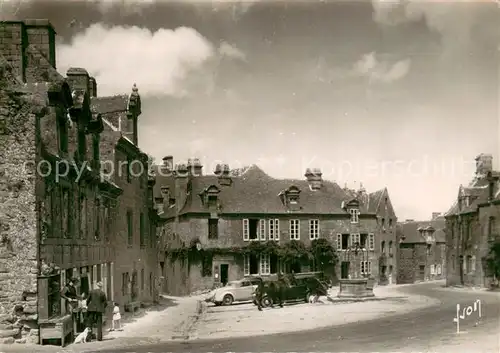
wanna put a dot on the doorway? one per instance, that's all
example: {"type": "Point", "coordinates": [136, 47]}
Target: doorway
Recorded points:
{"type": "Point", "coordinates": [344, 269]}
{"type": "Point", "coordinates": [224, 273]}
{"type": "Point", "coordinates": [421, 273]}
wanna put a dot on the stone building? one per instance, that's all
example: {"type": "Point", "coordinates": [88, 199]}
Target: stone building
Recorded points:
{"type": "Point", "coordinates": [472, 226]}
{"type": "Point", "coordinates": [218, 216]}
{"type": "Point", "coordinates": [422, 248]}
{"type": "Point", "coordinates": [61, 215]}
{"type": "Point", "coordinates": [379, 202]}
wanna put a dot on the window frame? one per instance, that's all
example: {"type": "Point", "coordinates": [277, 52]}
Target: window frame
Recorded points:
{"type": "Point", "coordinates": [354, 213]}
{"type": "Point", "coordinates": [314, 229]}
{"type": "Point", "coordinates": [294, 228]}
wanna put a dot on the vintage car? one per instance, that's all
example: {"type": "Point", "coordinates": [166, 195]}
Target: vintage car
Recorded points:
{"type": "Point", "coordinates": [234, 291]}
{"type": "Point", "coordinates": [298, 288]}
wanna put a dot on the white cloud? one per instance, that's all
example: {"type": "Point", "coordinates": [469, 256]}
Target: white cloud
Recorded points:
{"type": "Point", "coordinates": [117, 57]}
{"type": "Point", "coordinates": [226, 49]}
{"type": "Point", "coordinates": [453, 19]}
{"type": "Point", "coordinates": [381, 71]}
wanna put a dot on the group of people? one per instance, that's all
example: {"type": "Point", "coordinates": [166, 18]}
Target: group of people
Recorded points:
{"type": "Point", "coordinates": [274, 289]}
{"type": "Point", "coordinates": [90, 308]}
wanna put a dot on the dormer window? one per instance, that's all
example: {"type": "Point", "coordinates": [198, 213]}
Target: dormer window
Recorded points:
{"type": "Point", "coordinates": [467, 201]}
{"type": "Point", "coordinates": [210, 196]}
{"type": "Point", "coordinates": [290, 196]}
{"type": "Point", "coordinates": [354, 215]}
{"type": "Point", "coordinates": [212, 200]}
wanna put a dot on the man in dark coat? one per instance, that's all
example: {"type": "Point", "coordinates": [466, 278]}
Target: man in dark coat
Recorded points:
{"type": "Point", "coordinates": [259, 291]}
{"type": "Point", "coordinates": [96, 307]}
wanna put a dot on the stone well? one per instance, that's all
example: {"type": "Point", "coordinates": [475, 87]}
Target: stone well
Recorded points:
{"type": "Point", "coordinates": [356, 288]}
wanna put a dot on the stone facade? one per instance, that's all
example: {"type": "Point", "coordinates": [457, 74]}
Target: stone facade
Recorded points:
{"type": "Point", "coordinates": [18, 230]}
{"type": "Point", "coordinates": [191, 205]}
{"type": "Point", "coordinates": [472, 225]}
{"type": "Point", "coordinates": [180, 280]}
{"type": "Point", "coordinates": [386, 228]}
{"type": "Point", "coordinates": [62, 215]}
{"type": "Point", "coordinates": [421, 250]}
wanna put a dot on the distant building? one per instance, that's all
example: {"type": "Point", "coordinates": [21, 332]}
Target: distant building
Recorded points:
{"type": "Point", "coordinates": [225, 213]}
{"type": "Point", "coordinates": [422, 248]}
{"type": "Point", "coordinates": [473, 225]}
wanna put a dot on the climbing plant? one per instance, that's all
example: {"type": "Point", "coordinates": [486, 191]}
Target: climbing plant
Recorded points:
{"type": "Point", "coordinates": [321, 250]}
{"type": "Point", "coordinates": [493, 259]}
{"type": "Point", "coordinates": [294, 250]}
{"type": "Point", "coordinates": [323, 253]}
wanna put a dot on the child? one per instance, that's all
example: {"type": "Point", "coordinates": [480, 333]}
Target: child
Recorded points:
{"type": "Point", "coordinates": [116, 318]}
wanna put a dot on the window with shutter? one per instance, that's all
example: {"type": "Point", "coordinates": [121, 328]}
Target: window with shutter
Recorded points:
{"type": "Point", "coordinates": [246, 265]}
{"type": "Point", "coordinates": [262, 229]}
{"type": "Point", "coordinates": [277, 229]}
{"type": "Point", "coordinates": [371, 241]}
{"type": "Point", "coordinates": [246, 232]}
{"type": "Point", "coordinates": [294, 229]}
{"type": "Point", "coordinates": [339, 241]}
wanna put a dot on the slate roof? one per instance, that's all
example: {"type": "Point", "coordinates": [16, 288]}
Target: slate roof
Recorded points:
{"type": "Point", "coordinates": [478, 191]}
{"type": "Point", "coordinates": [111, 104]}
{"type": "Point", "coordinates": [374, 199]}
{"type": "Point", "coordinates": [412, 236]}
{"type": "Point", "coordinates": [256, 192]}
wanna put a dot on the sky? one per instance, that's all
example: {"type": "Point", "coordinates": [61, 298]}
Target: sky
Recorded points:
{"type": "Point", "coordinates": [402, 95]}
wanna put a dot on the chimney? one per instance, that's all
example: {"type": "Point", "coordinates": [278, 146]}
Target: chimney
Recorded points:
{"type": "Point", "coordinates": [223, 172]}
{"type": "Point", "coordinates": [492, 180]}
{"type": "Point", "coordinates": [159, 205]}
{"type": "Point", "coordinates": [165, 195]}
{"type": "Point", "coordinates": [409, 220]}
{"type": "Point", "coordinates": [435, 215]}
{"type": "Point", "coordinates": [166, 168]}
{"type": "Point", "coordinates": [194, 167]}
{"type": "Point", "coordinates": [484, 164]}
{"type": "Point", "coordinates": [314, 178]}
{"type": "Point", "coordinates": [92, 87]}
{"type": "Point", "coordinates": [181, 185]}
{"type": "Point", "coordinates": [78, 79]}
{"type": "Point", "coordinates": [16, 36]}
{"type": "Point", "coordinates": [41, 33]}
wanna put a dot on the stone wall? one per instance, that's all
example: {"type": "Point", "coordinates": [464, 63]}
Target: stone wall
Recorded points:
{"type": "Point", "coordinates": [18, 228]}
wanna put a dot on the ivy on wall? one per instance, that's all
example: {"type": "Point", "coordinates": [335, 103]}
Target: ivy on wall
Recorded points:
{"type": "Point", "coordinates": [321, 250]}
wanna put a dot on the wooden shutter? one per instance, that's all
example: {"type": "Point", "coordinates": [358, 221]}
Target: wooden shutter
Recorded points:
{"type": "Point", "coordinates": [246, 232]}
{"type": "Point", "coordinates": [262, 229]}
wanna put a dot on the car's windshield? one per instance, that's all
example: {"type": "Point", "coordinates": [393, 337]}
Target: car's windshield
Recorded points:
{"type": "Point", "coordinates": [233, 284]}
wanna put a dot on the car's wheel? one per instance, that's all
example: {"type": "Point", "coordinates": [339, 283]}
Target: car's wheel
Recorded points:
{"type": "Point", "coordinates": [266, 301]}
{"type": "Point", "coordinates": [228, 299]}
{"type": "Point", "coordinates": [306, 299]}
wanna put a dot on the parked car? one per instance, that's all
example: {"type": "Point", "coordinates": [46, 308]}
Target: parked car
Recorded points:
{"type": "Point", "coordinates": [300, 287]}
{"type": "Point", "coordinates": [235, 291]}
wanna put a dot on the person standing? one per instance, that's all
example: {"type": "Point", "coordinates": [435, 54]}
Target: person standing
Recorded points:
{"type": "Point", "coordinates": [70, 297]}
{"type": "Point", "coordinates": [96, 307]}
{"type": "Point", "coordinates": [116, 318]}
